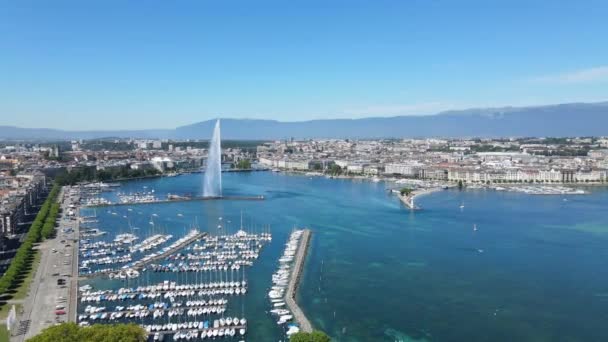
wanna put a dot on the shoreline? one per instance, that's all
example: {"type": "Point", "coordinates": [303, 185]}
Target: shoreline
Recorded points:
{"type": "Point", "coordinates": [294, 281]}
{"type": "Point", "coordinates": [452, 183]}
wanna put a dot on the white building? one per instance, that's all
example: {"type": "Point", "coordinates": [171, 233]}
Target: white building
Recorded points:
{"type": "Point", "coordinates": [409, 169]}
{"type": "Point", "coordinates": [355, 168]}
{"type": "Point", "coordinates": [297, 164]}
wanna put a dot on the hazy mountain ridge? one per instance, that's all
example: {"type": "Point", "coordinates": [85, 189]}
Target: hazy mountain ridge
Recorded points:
{"type": "Point", "coordinates": [13, 132]}
{"type": "Point", "coordinates": [573, 119]}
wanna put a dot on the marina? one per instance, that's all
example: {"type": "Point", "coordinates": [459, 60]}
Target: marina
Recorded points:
{"type": "Point", "coordinates": [180, 309]}
{"type": "Point", "coordinates": [207, 270]}
{"type": "Point", "coordinates": [543, 190]}
{"type": "Point", "coordinates": [198, 273]}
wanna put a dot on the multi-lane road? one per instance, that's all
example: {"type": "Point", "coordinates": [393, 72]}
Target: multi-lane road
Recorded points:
{"type": "Point", "coordinates": [52, 295]}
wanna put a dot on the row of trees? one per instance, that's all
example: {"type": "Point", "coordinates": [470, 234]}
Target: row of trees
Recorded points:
{"type": "Point", "coordinates": [48, 229]}
{"type": "Point", "coordinates": [38, 230]}
{"type": "Point", "coordinates": [91, 174]}
{"type": "Point", "coordinates": [94, 333]}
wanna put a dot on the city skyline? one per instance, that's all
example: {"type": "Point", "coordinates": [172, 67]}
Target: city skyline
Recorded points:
{"type": "Point", "coordinates": [124, 66]}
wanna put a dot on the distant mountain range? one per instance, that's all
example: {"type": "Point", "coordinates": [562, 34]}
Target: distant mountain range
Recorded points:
{"type": "Point", "coordinates": [572, 119]}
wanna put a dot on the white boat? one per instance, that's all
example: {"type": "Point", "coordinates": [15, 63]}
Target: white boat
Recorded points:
{"type": "Point", "coordinates": [284, 319]}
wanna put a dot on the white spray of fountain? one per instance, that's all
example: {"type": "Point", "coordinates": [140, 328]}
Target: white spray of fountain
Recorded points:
{"type": "Point", "coordinates": [213, 173]}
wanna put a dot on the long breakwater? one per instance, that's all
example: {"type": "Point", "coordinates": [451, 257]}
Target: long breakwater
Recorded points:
{"type": "Point", "coordinates": [290, 294]}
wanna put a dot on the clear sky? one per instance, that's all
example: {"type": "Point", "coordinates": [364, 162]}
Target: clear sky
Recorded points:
{"type": "Point", "coordinates": [160, 64]}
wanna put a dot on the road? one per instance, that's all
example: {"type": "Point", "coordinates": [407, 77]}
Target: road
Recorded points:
{"type": "Point", "coordinates": [59, 261]}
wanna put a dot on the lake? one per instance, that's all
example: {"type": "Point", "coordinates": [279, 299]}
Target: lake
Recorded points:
{"type": "Point", "coordinates": [535, 268]}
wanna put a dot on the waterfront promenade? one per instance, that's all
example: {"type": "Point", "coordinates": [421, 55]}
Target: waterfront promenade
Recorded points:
{"type": "Point", "coordinates": [298, 268]}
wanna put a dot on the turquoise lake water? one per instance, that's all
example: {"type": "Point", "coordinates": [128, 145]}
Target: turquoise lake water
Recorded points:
{"type": "Point", "coordinates": [535, 269]}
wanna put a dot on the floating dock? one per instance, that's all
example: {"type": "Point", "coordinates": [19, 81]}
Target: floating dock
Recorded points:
{"type": "Point", "coordinates": [126, 313]}
{"type": "Point", "coordinates": [140, 263]}
{"type": "Point", "coordinates": [237, 328]}
{"type": "Point", "coordinates": [294, 280]}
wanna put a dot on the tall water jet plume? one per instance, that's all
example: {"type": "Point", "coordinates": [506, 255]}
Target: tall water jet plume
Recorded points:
{"type": "Point", "coordinates": [213, 173]}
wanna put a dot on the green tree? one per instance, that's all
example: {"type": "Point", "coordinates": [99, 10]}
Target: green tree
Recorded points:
{"type": "Point", "coordinates": [67, 332]}
{"type": "Point", "coordinates": [23, 257]}
{"type": "Point", "coordinates": [335, 170]}
{"type": "Point", "coordinates": [315, 336]}
{"type": "Point", "coordinates": [243, 164]}
{"type": "Point", "coordinates": [406, 191]}
{"type": "Point", "coordinates": [71, 332]}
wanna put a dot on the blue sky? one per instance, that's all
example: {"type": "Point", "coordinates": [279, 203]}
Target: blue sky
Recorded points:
{"type": "Point", "coordinates": [161, 64]}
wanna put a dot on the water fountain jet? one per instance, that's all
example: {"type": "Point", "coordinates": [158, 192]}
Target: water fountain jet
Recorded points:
{"type": "Point", "coordinates": [212, 186]}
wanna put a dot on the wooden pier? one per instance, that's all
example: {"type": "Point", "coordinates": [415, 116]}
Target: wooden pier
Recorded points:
{"type": "Point", "coordinates": [290, 295]}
